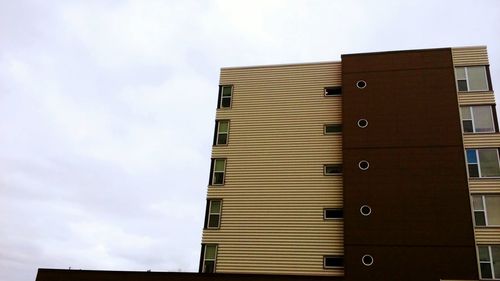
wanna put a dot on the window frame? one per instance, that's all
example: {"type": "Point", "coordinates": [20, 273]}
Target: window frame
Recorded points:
{"type": "Point", "coordinates": [467, 79]}
{"type": "Point", "coordinates": [333, 218]}
{"type": "Point", "coordinates": [204, 258]}
{"type": "Point", "coordinates": [479, 162]}
{"type": "Point", "coordinates": [218, 133]}
{"type": "Point", "coordinates": [221, 96]}
{"type": "Point", "coordinates": [334, 88]}
{"type": "Point", "coordinates": [332, 174]}
{"type": "Point", "coordinates": [213, 172]}
{"type": "Point", "coordinates": [472, 119]}
{"type": "Point", "coordinates": [490, 262]}
{"type": "Point", "coordinates": [333, 257]}
{"type": "Point", "coordinates": [484, 210]}
{"type": "Point", "coordinates": [210, 213]}
{"type": "Point", "coordinates": [332, 125]}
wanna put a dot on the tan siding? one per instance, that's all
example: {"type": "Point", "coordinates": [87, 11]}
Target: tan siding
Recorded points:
{"type": "Point", "coordinates": [470, 56]}
{"type": "Point", "coordinates": [484, 185]}
{"type": "Point", "coordinates": [481, 140]}
{"type": "Point", "coordinates": [470, 98]}
{"type": "Point", "coordinates": [275, 190]}
{"type": "Point", "coordinates": [487, 235]}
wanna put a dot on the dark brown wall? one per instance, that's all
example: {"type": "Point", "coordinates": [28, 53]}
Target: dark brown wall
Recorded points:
{"type": "Point", "coordinates": [97, 275]}
{"type": "Point", "coordinates": [421, 225]}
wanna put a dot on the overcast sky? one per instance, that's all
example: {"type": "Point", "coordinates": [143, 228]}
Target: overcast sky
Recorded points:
{"type": "Point", "coordinates": [107, 111]}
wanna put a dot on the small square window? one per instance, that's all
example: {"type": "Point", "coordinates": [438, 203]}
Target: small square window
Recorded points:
{"type": "Point", "coordinates": [332, 129]}
{"type": "Point", "coordinates": [332, 169]}
{"type": "Point", "coordinates": [329, 214]}
{"type": "Point", "coordinates": [333, 91]}
{"type": "Point", "coordinates": [333, 261]}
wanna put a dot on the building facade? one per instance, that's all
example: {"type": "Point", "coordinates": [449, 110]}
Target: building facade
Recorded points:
{"type": "Point", "coordinates": [383, 166]}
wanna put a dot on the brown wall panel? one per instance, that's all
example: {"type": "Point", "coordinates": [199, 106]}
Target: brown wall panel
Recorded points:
{"type": "Point", "coordinates": [417, 181]}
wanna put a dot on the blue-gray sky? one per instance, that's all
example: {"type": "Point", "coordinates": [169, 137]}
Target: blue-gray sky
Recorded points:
{"type": "Point", "coordinates": [107, 111]}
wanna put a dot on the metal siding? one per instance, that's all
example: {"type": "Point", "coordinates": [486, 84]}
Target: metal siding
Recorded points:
{"type": "Point", "coordinates": [470, 56]}
{"type": "Point", "coordinates": [479, 56]}
{"type": "Point", "coordinates": [275, 190]}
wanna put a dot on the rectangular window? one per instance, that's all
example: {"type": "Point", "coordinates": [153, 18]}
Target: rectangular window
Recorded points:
{"type": "Point", "coordinates": [225, 96]}
{"type": "Point", "coordinates": [221, 132]}
{"type": "Point", "coordinates": [217, 172]}
{"type": "Point", "coordinates": [477, 119]}
{"type": "Point", "coordinates": [483, 163]}
{"type": "Point", "coordinates": [333, 261]}
{"type": "Point", "coordinates": [209, 253]}
{"type": "Point", "coordinates": [489, 261]}
{"type": "Point", "coordinates": [471, 78]}
{"type": "Point", "coordinates": [329, 214]}
{"type": "Point", "coordinates": [486, 210]}
{"type": "Point", "coordinates": [333, 91]}
{"type": "Point", "coordinates": [332, 129]}
{"type": "Point", "coordinates": [332, 169]}
{"type": "Point", "coordinates": [214, 214]}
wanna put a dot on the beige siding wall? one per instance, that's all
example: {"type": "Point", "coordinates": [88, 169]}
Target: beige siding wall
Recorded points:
{"type": "Point", "coordinates": [478, 56]}
{"type": "Point", "coordinates": [470, 56]}
{"type": "Point", "coordinates": [275, 190]}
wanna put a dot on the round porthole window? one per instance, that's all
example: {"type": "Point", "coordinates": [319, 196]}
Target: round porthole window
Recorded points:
{"type": "Point", "coordinates": [363, 165]}
{"type": "Point", "coordinates": [361, 84]}
{"type": "Point", "coordinates": [367, 260]}
{"type": "Point", "coordinates": [362, 123]}
{"type": "Point", "coordinates": [365, 210]}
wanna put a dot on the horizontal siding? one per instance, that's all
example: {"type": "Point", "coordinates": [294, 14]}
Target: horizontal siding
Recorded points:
{"type": "Point", "coordinates": [487, 235]}
{"type": "Point", "coordinates": [470, 56]}
{"type": "Point", "coordinates": [484, 185]}
{"type": "Point", "coordinates": [481, 140]}
{"type": "Point", "coordinates": [469, 98]}
{"type": "Point", "coordinates": [275, 190]}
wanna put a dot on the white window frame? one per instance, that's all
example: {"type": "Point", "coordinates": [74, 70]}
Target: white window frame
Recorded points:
{"type": "Point", "coordinates": [222, 96]}
{"type": "Point", "coordinates": [473, 121]}
{"type": "Point", "coordinates": [218, 133]}
{"type": "Point", "coordinates": [214, 213]}
{"type": "Point", "coordinates": [479, 161]}
{"type": "Point", "coordinates": [467, 79]}
{"type": "Point", "coordinates": [490, 262]}
{"type": "Point", "coordinates": [215, 171]}
{"type": "Point", "coordinates": [205, 256]}
{"type": "Point", "coordinates": [484, 210]}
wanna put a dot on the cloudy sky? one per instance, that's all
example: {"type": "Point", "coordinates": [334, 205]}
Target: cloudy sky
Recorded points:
{"type": "Point", "coordinates": [107, 111]}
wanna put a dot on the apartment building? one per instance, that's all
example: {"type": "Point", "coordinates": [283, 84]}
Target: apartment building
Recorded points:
{"type": "Point", "coordinates": [381, 166]}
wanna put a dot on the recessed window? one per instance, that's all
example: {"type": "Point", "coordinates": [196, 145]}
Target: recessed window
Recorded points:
{"type": "Point", "coordinates": [214, 214]}
{"type": "Point", "coordinates": [332, 128]}
{"type": "Point", "coordinates": [361, 84]}
{"type": "Point", "coordinates": [330, 214]}
{"type": "Point", "coordinates": [489, 261]}
{"type": "Point", "coordinates": [365, 210]}
{"type": "Point", "coordinates": [367, 260]}
{"type": "Point", "coordinates": [483, 163]}
{"type": "Point", "coordinates": [477, 119]}
{"type": "Point", "coordinates": [225, 96]}
{"type": "Point", "coordinates": [218, 169]}
{"type": "Point", "coordinates": [209, 253]}
{"type": "Point", "coordinates": [332, 169]}
{"type": "Point", "coordinates": [471, 78]}
{"type": "Point", "coordinates": [486, 210]}
{"type": "Point", "coordinates": [362, 123]}
{"type": "Point", "coordinates": [333, 91]}
{"type": "Point", "coordinates": [333, 261]}
{"type": "Point", "coordinates": [221, 132]}
{"type": "Point", "coordinates": [363, 165]}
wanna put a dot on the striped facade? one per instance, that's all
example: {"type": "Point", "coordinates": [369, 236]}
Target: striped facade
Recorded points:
{"type": "Point", "coordinates": [275, 189]}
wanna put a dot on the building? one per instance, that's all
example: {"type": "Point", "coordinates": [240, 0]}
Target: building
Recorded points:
{"type": "Point", "coordinates": [382, 166]}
